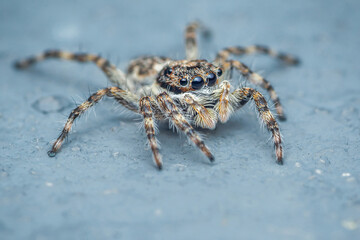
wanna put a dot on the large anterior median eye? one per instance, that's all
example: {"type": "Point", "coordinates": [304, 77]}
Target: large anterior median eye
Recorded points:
{"type": "Point", "coordinates": [211, 79]}
{"type": "Point", "coordinates": [197, 82]}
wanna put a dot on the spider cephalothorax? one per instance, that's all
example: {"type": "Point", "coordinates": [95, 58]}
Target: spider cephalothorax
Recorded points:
{"type": "Point", "coordinates": [183, 76]}
{"type": "Point", "coordinates": [187, 92]}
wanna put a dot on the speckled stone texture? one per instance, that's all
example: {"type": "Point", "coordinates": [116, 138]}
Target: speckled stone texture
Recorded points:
{"type": "Point", "coordinates": [104, 185]}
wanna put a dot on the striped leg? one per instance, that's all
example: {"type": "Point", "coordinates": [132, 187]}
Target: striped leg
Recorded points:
{"type": "Point", "coordinates": [115, 75]}
{"type": "Point", "coordinates": [145, 110]}
{"type": "Point", "coordinates": [169, 108]}
{"type": "Point", "coordinates": [123, 97]}
{"type": "Point", "coordinates": [224, 54]}
{"type": "Point", "coordinates": [257, 79]}
{"type": "Point", "coordinates": [191, 48]}
{"type": "Point", "coordinates": [242, 96]}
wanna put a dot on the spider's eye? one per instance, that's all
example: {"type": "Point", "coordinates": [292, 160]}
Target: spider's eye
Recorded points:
{"type": "Point", "coordinates": [168, 70]}
{"type": "Point", "coordinates": [211, 79]}
{"type": "Point", "coordinates": [219, 72]}
{"type": "Point", "coordinates": [183, 82]}
{"type": "Point", "coordinates": [197, 82]}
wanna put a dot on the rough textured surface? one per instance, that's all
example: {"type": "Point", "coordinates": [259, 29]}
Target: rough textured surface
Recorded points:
{"type": "Point", "coordinates": [103, 184]}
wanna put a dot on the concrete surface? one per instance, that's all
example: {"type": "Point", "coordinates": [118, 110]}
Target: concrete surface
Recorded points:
{"type": "Point", "coordinates": [103, 184]}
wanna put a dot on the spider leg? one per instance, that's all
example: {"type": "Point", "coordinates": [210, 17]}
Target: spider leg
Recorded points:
{"type": "Point", "coordinates": [145, 110]}
{"type": "Point", "coordinates": [123, 97]}
{"type": "Point", "coordinates": [115, 75]}
{"type": "Point", "coordinates": [191, 48]}
{"type": "Point", "coordinates": [224, 54]}
{"type": "Point", "coordinates": [257, 79]}
{"type": "Point", "coordinates": [241, 96]}
{"type": "Point", "coordinates": [172, 111]}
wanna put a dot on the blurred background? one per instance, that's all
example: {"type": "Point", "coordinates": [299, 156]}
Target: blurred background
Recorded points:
{"type": "Point", "coordinates": [103, 184]}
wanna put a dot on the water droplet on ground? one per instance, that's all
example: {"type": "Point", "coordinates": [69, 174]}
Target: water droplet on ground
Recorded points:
{"type": "Point", "coordinates": [51, 104]}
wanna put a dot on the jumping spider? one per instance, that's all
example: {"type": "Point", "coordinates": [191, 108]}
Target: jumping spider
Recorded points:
{"type": "Point", "coordinates": [184, 92]}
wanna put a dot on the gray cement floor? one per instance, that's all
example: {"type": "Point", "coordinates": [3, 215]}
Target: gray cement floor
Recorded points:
{"type": "Point", "coordinates": [103, 184]}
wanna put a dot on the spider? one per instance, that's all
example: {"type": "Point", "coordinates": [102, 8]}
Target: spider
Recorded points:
{"type": "Point", "coordinates": [188, 93]}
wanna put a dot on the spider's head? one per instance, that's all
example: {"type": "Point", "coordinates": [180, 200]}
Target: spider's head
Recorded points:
{"type": "Point", "coordinates": [182, 76]}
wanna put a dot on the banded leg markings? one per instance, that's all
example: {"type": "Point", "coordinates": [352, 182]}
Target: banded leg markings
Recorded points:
{"type": "Point", "coordinates": [115, 92]}
{"type": "Point", "coordinates": [149, 124]}
{"type": "Point", "coordinates": [257, 79]}
{"type": "Point", "coordinates": [243, 95]}
{"type": "Point", "coordinates": [191, 47]}
{"type": "Point", "coordinates": [169, 107]}
{"type": "Point", "coordinates": [224, 54]}
{"type": "Point", "coordinates": [115, 75]}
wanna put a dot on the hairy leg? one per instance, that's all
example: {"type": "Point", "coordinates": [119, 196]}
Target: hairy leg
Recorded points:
{"type": "Point", "coordinates": [191, 47]}
{"type": "Point", "coordinates": [257, 79]}
{"type": "Point", "coordinates": [224, 54]}
{"type": "Point", "coordinates": [123, 97]}
{"type": "Point", "coordinates": [168, 106]}
{"type": "Point", "coordinates": [115, 75]}
{"type": "Point", "coordinates": [145, 110]}
{"type": "Point", "coordinates": [241, 96]}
